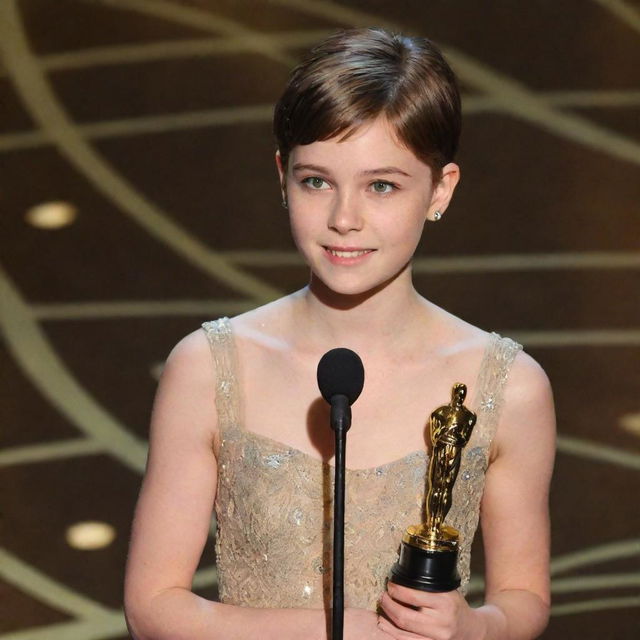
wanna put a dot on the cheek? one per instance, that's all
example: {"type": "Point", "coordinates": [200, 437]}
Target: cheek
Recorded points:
{"type": "Point", "coordinates": [302, 227]}
{"type": "Point", "coordinates": [408, 233]}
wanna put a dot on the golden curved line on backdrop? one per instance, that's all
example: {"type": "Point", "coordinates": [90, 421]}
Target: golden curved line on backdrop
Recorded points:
{"type": "Point", "coordinates": [124, 54]}
{"type": "Point", "coordinates": [42, 105]}
{"type": "Point", "coordinates": [595, 555]}
{"type": "Point", "coordinates": [138, 309]}
{"type": "Point", "coordinates": [206, 21]}
{"type": "Point", "coordinates": [43, 452]}
{"type": "Point", "coordinates": [46, 590]}
{"type": "Point", "coordinates": [581, 558]}
{"type": "Point", "coordinates": [41, 364]}
{"type": "Point", "coordinates": [623, 11]}
{"type": "Point", "coordinates": [594, 583]}
{"type": "Point", "coordinates": [597, 604]}
{"type": "Point", "coordinates": [93, 620]}
{"type": "Point", "coordinates": [128, 127]}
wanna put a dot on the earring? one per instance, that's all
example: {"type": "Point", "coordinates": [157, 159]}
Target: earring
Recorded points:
{"type": "Point", "coordinates": [285, 204]}
{"type": "Point", "coordinates": [437, 215]}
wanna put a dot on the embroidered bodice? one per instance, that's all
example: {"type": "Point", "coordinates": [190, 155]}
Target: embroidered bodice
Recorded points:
{"type": "Point", "coordinates": [274, 503]}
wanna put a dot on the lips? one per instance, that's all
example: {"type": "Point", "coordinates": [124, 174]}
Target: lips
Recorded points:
{"type": "Point", "coordinates": [347, 252]}
{"type": "Point", "coordinates": [347, 255]}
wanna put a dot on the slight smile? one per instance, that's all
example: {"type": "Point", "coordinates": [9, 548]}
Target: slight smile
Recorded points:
{"type": "Point", "coordinates": [346, 255]}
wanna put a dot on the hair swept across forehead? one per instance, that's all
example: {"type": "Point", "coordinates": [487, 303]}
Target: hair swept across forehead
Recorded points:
{"type": "Point", "coordinates": [357, 75]}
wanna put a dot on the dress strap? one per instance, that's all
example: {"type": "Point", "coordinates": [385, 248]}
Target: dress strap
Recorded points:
{"type": "Point", "coordinates": [487, 402]}
{"type": "Point", "coordinates": [225, 362]}
{"type": "Point", "coordinates": [489, 393]}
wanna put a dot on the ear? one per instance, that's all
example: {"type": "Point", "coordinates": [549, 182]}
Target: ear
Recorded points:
{"type": "Point", "coordinates": [443, 190]}
{"type": "Point", "coordinates": [282, 174]}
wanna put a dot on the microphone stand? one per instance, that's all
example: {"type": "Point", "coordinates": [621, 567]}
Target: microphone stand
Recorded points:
{"type": "Point", "coordinates": [340, 423]}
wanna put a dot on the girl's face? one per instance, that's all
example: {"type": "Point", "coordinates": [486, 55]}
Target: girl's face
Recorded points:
{"type": "Point", "coordinates": [358, 207]}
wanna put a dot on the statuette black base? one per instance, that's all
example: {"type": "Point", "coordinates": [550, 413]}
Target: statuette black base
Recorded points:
{"type": "Point", "coordinates": [426, 570]}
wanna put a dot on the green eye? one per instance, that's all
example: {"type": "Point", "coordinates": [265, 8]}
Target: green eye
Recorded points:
{"type": "Point", "coordinates": [314, 182]}
{"type": "Point", "coordinates": [382, 187]}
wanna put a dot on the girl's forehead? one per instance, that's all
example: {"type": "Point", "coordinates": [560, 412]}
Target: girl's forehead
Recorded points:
{"type": "Point", "coordinates": [371, 143]}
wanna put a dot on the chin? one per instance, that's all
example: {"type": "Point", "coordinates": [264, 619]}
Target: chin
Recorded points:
{"type": "Point", "coordinates": [345, 292]}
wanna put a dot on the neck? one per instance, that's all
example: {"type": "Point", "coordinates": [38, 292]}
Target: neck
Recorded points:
{"type": "Point", "coordinates": [360, 322]}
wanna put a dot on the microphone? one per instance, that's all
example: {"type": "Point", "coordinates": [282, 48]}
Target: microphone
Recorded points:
{"type": "Point", "coordinates": [340, 379]}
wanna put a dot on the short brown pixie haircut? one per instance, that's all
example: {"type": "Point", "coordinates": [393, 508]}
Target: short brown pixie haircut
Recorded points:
{"type": "Point", "coordinates": [356, 75]}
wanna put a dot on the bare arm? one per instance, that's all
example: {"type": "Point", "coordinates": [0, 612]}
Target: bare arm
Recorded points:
{"type": "Point", "coordinates": [515, 513]}
{"type": "Point", "coordinates": [515, 527]}
{"type": "Point", "coordinates": [172, 522]}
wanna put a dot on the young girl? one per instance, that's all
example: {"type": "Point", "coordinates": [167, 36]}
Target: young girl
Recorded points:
{"type": "Point", "coordinates": [367, 129]}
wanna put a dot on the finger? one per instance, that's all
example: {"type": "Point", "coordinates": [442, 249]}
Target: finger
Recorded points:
{"type": "Point", "coordinates": [405, 617]}
{"type": "Point", "coordinates": [413, 597]}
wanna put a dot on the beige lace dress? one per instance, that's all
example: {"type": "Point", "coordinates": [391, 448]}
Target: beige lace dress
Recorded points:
{"type": "Point", "coordinates": [274, 502]}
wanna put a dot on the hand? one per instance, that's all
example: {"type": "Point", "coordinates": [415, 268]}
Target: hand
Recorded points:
{"type": "Point", "coordinates": [361, 624]}
{"type": "Point", "coordinates": [416, 615]}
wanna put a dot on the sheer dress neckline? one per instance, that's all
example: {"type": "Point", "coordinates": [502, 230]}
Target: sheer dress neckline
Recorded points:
{"type": "Point", "coordinates": [239, 425]}
{"type": "Point", "coordinates": [311, 459]}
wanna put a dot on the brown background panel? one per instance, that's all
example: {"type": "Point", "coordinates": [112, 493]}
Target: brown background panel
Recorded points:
{"type": "Point", "coordinates": [219, 183]}
{"type": "Point", "coordinates": [19, 610]}
{"type": "Point", "coordinates": [103, 255]}
{"type": "Point", "coordinates": [113, 92]}
{"type": "Point", "coordinates": [544, 44]}
{"type": "Point", "coordinates": [625, 121]}
{"type": "Point", "coordinates": [527, 189]}
{"type": "Point", "coordinates": [114, 359]}
{"type": "Point", "coordinates": [14, 118]}
{"type": "Point", "coordinates": [595, 387]}
{"type": "Point", "coordinates": [618, 624]}
{"type": "Point", "coordinates": [25, 415]}
{"type": "Point", "coordinates": [262, 16]}
{"type": "Point", "coordinates": [593, 503]}
{"type": "Point", "coordinates": [47, 498]}
{"type": "Point", "coordinates": [537, 300]}
{"type": "Point", "coordinates": [84, 25]}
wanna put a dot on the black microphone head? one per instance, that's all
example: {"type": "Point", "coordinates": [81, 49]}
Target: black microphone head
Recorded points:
{"type": "Point", "coordinates": [340, 372]}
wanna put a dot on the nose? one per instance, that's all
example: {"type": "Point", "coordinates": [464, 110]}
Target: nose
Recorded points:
{"type": "Point", "coordinates": [345, 214]}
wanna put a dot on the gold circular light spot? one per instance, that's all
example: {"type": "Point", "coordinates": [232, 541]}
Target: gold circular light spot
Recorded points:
{"type": "Point", "coordinates": [51, 215]}
{"type": "Point", "coordinates": [631, 423]}
{"type": "Point", "coordinates": [90, 535]}
{"type": "Point", "coordinates": [156, 370]}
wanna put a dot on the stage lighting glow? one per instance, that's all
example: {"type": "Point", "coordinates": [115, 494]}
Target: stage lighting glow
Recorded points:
{"type": "Point", "coordinates": [631, 423]}
{"type": "Point", "coordinates": [51, 215]}
{"type": "Point", "coordinates": [156, 370]}
{"type": "Point", "coordinates": [90, 535]}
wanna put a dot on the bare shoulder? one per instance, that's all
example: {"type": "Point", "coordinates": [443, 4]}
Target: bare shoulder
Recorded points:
{"type": "Point", "coordinates": [191, 356]}
{"type": "Point", "coordinates": [528, 384]}
{"type": "Point", "coordinates": [185, 400]}
{"type": "Point", "coordinates": [528, 415]}
{"type": "Point", "coordinates": [266, 326]}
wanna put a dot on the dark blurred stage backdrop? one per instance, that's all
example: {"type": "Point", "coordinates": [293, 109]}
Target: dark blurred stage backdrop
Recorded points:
{"type": "Point", "coordinates": [138, 198]}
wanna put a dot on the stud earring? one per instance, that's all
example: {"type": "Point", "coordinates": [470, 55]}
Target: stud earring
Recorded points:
{"type": "Point", "coordinates": [437, 215]}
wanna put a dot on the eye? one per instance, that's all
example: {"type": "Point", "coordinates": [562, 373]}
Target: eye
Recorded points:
{"type": "Point", "coordinates": [315, 183]}
{"type": "Point", "coordinates": [381, 186]}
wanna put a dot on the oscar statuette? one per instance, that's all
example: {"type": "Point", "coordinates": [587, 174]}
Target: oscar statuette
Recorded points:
{"type": "Point", "coordinates": [429, 551]}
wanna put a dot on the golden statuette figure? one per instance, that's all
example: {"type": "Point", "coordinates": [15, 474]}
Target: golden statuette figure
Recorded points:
{"type": "Point", "coordinates": [428, 553]}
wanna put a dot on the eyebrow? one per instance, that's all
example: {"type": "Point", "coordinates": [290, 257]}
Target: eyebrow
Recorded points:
{"type": "Point", "coordinates": [368, 172]}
